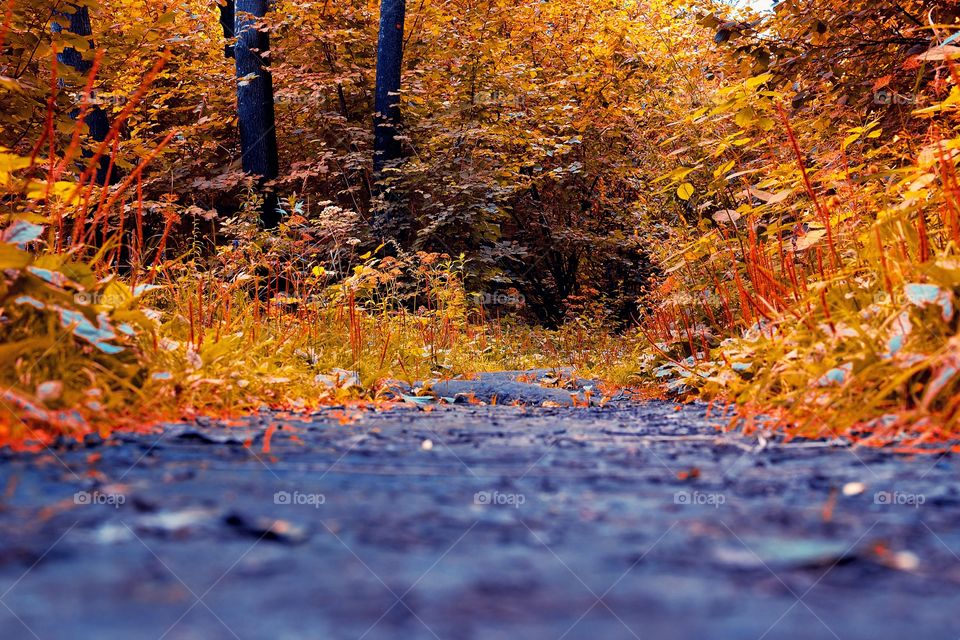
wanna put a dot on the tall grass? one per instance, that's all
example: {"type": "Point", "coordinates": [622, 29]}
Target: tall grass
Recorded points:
{"type": "Point", "coordinates": [822, 286]}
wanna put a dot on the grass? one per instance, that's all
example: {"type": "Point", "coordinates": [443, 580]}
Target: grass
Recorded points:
{"type": "Point", "coordinates": [828, 296]}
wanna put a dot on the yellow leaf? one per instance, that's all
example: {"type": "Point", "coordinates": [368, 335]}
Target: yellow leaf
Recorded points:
{"type": "Point", "coordinates": [13, 258]}
{"type": "Point", "coordinates": [745, 117]}
{"type": "Point", "coordinates": [685, 191]}
{"type": "Point", "coordinates": [10, 84]}
{"type": "Point", "coordinates": [756, 81]}
{"type": "Point", "coordinates": [37, 190]}
{"type": "Point", "coordinates": [721, 170]}
{"type": "Point", "coordinates": [10, 162]}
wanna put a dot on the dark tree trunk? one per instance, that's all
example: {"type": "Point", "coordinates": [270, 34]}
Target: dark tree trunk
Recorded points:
{"type": "Point", "coordinates": [258, 134]}
{"type": "Point", "coordinates": [390, 221]}
{"type": "Point", "coordinates": [227, 12]}
{"type": "Point", "coordinates": [98, 125]}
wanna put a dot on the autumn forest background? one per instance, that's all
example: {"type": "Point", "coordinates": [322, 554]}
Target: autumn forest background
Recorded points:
{"type": "Point", "coordinates": [207, 207]}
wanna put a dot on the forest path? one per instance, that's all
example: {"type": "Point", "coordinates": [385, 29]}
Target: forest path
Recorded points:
{"type": "Point", "coordinates": [634, 520]}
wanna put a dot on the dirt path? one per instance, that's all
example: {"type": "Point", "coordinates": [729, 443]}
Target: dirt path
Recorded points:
{"type": "Point", "coordinates": [629, 521]}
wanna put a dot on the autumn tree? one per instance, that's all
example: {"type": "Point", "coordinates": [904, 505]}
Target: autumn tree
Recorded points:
{"type": "Point", "coordinates": [96, 121]}
{"type": "Point", "coordinates": [258, 135]}
{"type": "Point", "coordinates": [390, 220]}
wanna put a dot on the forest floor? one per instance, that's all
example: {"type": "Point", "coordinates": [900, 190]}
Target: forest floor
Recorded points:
{"type": "Point", "coordinates": [632, 520]}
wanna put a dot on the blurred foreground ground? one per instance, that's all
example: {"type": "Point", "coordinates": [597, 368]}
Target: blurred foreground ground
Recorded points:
{"type": "Point", "coordinates": [476, 522]}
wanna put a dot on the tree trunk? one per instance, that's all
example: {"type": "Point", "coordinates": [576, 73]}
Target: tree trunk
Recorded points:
{"type": "Point", "coordinates": [98, 125]}
{"type": "Point", "coordinates": [258, 134]}
{"type": "Point", "coordinates": [390, 220]}
{"type": "Point", "coordinates": [227, 19]}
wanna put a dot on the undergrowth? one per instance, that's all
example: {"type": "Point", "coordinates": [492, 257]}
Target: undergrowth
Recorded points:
{"type": "Point", "coordinates": [818, 277]}
{"type": "Point", "coordinates": [103, 328]}
{"type": "Point", "coordinates": [86, 352]}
